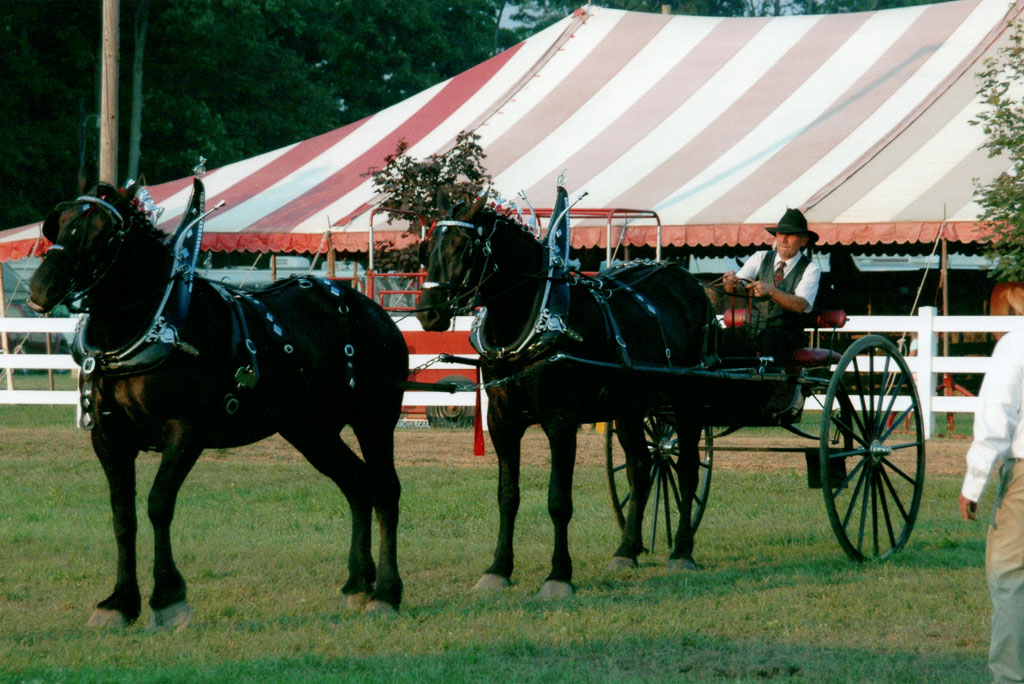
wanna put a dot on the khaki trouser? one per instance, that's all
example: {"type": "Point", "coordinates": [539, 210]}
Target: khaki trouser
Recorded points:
{"type": "Point", "coordinates": [1004, 569]}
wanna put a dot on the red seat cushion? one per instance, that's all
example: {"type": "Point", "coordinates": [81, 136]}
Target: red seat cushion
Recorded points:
{"type": "Point", "coordinates": [735, 318]}
{"type": "Point", "coordinates": [810, 357]}
{"type": "Point", "coordinates": [835, 318]}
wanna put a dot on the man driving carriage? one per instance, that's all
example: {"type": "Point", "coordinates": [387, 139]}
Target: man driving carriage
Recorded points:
{"type": "Point", "coordinates": [786, 282]}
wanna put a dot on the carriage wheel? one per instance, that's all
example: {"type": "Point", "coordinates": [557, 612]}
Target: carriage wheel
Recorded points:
{"type": "Point", "coordinates": [451, 416]}
{"type": "Point", "coordinates": [872, 450]}
{"type": "Point", "coordinates": [664, 501]}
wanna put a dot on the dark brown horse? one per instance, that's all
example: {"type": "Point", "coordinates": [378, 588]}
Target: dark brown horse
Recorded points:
{"type": "Point", "coordinates": [560, 350]}
{"type": "Point", "coordinates": [176, 365]}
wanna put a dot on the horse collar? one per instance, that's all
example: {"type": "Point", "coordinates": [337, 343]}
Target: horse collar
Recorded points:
{"type": "Point", "coordinates": [547, 321]}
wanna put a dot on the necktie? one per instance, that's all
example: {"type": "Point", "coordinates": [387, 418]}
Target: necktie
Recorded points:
{"type": "Point", "coordinates": [780, 272]}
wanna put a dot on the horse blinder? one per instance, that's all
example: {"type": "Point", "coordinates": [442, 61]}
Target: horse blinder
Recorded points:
{"type": "Point", "coordinates": [51, 226]}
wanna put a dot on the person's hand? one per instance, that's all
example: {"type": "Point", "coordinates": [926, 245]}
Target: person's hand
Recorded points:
{"type": "Point", "coordinates": [760, 288]}
{"type": "Point", "coordinates": [729, 281]}
{"type": "Point", "coordinates": [968, 508]}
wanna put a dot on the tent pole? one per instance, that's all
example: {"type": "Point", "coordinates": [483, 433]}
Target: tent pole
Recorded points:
{"type": "Point", "coordinates": [330, 256]}
{"type": "Point", "coordinates": [273, 268]}
{"type": "Point", "coordinates": [4, 341]}
{"type": "Point", "coordinates": [370, 285]}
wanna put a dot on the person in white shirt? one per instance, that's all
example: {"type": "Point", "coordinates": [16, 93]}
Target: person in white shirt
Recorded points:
{"type": "Point", "coordinates": [786, 282]}
{"type": "Point", "coordinates": [999, 439]}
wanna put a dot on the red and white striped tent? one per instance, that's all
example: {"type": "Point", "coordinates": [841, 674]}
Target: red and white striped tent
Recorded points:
{"type": "Point", "coordinates": [717, 124]}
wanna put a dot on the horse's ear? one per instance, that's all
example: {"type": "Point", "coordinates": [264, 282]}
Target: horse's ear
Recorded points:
{"type": "Point", "coordinates": [107, 192]}
{"type": "Point", "coordinates": [475, 208]}
{"type": "Point", "coordinates": [134, 186]}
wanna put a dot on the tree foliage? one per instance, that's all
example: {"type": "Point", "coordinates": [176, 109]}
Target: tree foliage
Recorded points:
{"type": "Point", "coordinates": [427, 188]}
{"type": "Point", "coordinates": [1002, 200]}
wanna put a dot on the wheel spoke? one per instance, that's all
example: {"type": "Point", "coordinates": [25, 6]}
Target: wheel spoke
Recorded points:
{"type": "Point", "coordinates": [856, 491]}
{"type": "Point", "coordinates": [885, 513]}
{"type": "Point", "coordinates": [842, 485]}
{"type": "Point", "coordinates": [883, 390]}
{"type": "Point", "coordinates": [677, 495]}
{"type": "Point", "coordinates": [874, 510]}
{"type": "Point", "coordinates": [872, 379]}
{"type": "Point", "coordinates": [895, 496]}
{"type": "Point", "coordinates": [654, 511]}
{"type": "Point", "coordinates": [860, 451]}
{"type": "Point", "coordinates": [896, 421]}
{"type": "Point", "coordinates": [863, 510]}
{"type": "Point", "coordinates": [862, 424]}
{"type": "Point", "coordinates": [652, 428]}
{"type": "Point", "coordinates": [848, 430]}
{"type": "Point", "coordinates": [900, 472]}
{"type": "Point", "coordinates": [896, 388]}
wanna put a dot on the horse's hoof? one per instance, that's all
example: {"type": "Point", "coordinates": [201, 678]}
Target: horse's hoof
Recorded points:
{"type": "Point", "coordinates": [105, 618]}
{"type": "Point", "coordinates": [681, 564]}
{"type": "Point", "coordinates": [491, 582]}
{"type": "Point", "coordinates": [622, 563]}
{"type": "Point", "coordinates": [176, 616]}
{"type": "Point", "coordinates": [357, 601]}
{"type": "Point", "coordinates": [381, 608]}
{"type": "Point", "coordinates": [553, 589]}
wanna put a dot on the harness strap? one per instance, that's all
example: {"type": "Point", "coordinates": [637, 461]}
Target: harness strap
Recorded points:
{"type": "Point", "coordinates": [612, 329]}
{"type": "Point", "coordinates": [335, 292]}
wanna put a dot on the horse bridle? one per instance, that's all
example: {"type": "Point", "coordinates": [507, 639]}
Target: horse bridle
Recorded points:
{"type": "Point", "coordinates": [105, 256]}
{"type": "Point", "coordinates": [478, 249]}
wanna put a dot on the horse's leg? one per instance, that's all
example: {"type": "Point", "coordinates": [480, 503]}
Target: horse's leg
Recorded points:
{"type": "Point", "coordinates": [562, 438]}
{"type": "Point", "coordinates": [378, 446]}
{"type": "Point", "coordinates": [506, 437]}
{"type": "Point", "coordinates": [181, 450]}
{"type": "Point", "coordinates": [630, 431]}
{"type": "Point", "coordinates": [687, 471]}
{"type": "Point", "coordinates": [117, 457]}
{"type": "Point", "coordinates": [333, 458]}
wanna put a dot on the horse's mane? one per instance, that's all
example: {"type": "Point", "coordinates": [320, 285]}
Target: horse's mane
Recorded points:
{"type": "Point", "coordinates": [133, 212]}
{"type": "Point", "coordinates": [505, 217]}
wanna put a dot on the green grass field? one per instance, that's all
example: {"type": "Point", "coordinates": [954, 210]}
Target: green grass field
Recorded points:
{"type": "Point", "coordinates": [261, 538]}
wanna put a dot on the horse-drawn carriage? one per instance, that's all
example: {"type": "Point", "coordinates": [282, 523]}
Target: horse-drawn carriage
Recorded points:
{"type": "Point", "coordinates": [862, 439]}
{"type": "Point", "coordinates": [642, 347]}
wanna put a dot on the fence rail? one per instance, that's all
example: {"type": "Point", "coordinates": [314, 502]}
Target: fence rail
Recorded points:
{"type": "Point", "coordinates": [927, 365]}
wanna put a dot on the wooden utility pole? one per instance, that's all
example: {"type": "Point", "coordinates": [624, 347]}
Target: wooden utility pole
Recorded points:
{"type": "Point", "coordinates": [108, 92]}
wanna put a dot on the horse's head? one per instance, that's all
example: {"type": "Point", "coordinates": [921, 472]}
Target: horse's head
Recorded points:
{"type": "Point", "coordinates": [86, 235]}
{"type": "Point", "coordinates": [455, 254]}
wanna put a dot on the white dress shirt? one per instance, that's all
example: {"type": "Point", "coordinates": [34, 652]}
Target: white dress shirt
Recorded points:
{"type": "Point", "coordinates": [998, 428]}
{"type": "Point", "coordinates": [806, 288]}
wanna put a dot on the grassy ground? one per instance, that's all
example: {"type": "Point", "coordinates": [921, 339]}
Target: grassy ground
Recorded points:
{"type": "Point", "coordinates": [260, 537]}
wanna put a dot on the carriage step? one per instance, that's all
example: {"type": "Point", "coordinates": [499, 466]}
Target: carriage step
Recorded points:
{"type": "Point", "coordinates": [836, 469]}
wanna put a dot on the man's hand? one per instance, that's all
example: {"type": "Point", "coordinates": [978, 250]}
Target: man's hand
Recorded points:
{"type": "Point", "coordinates": [760, 288]}
{"type": "Point", "coordinates": [968, 508]}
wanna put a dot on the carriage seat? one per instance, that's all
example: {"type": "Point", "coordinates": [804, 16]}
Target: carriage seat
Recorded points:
{"type": "Point", "coordinates": [807, 357]}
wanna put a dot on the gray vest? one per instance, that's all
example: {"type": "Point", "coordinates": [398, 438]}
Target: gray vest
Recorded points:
{"type": "Point", "coordinates": [768, 314]}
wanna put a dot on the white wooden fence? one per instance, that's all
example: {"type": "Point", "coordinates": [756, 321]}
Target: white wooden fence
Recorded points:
{"type": "Point", "coordinates": [926, 327]}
